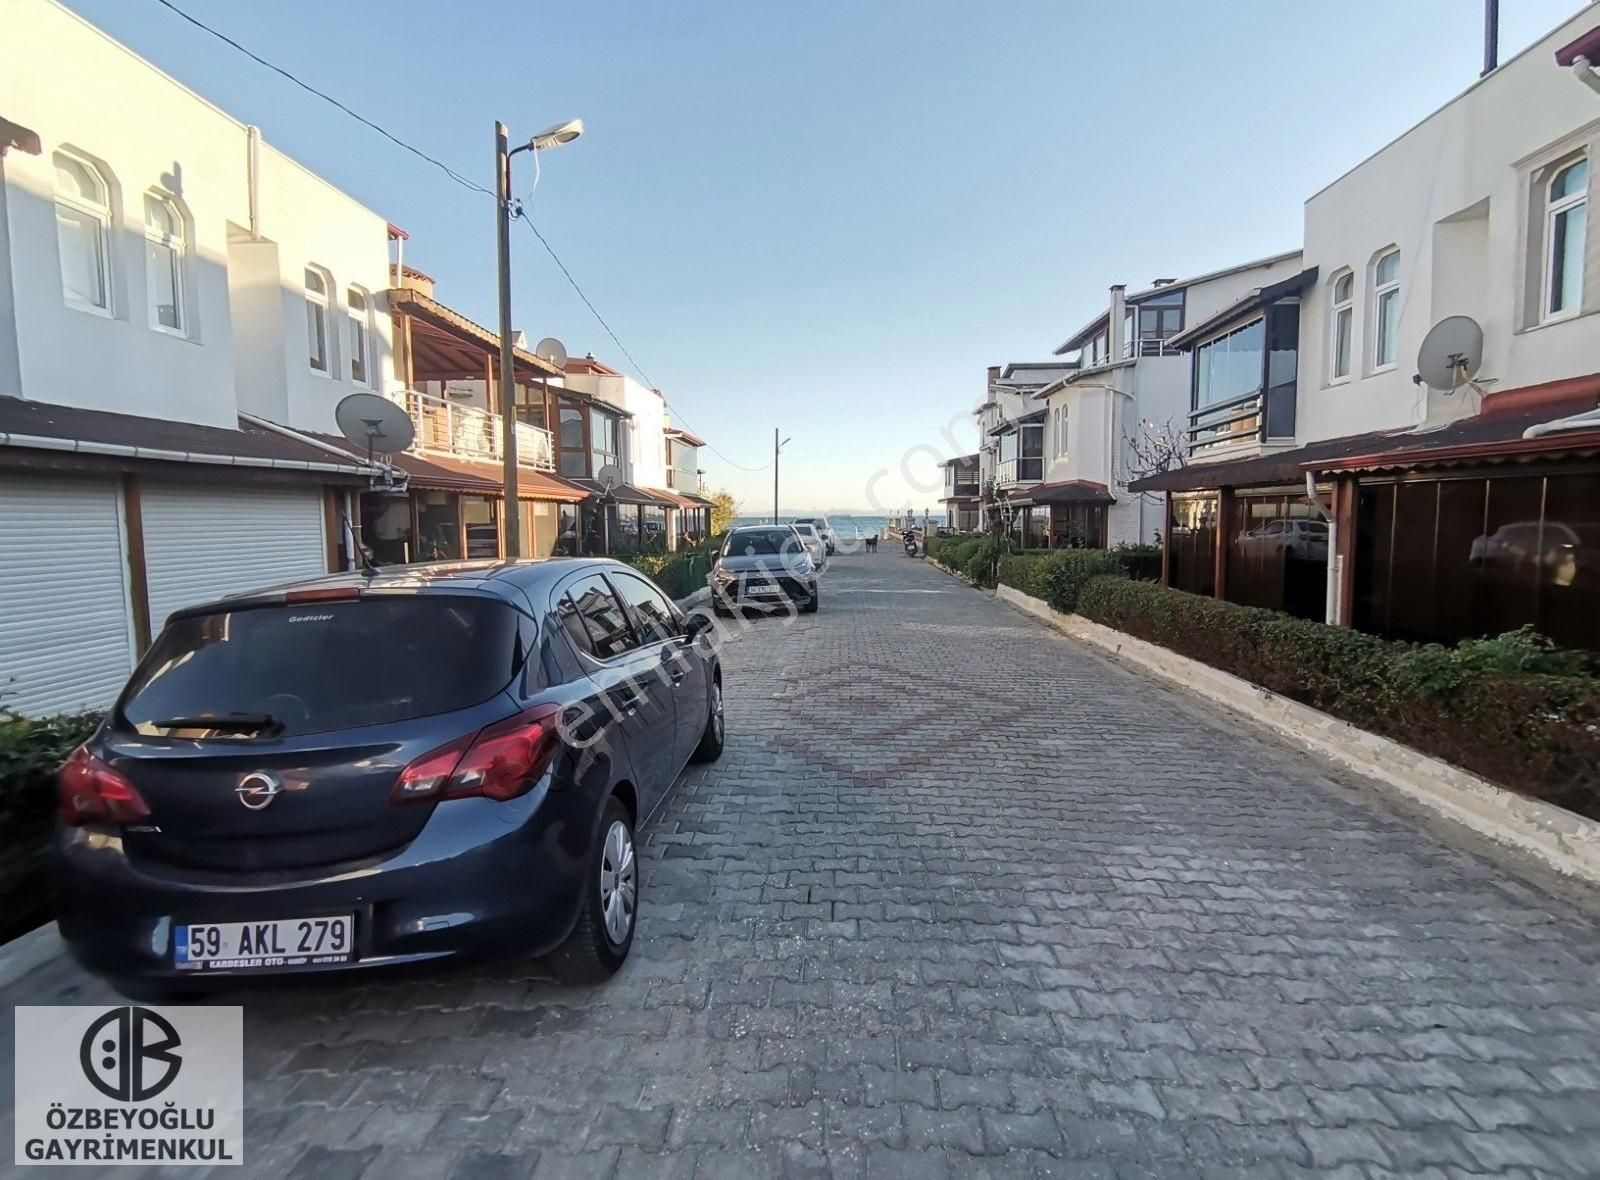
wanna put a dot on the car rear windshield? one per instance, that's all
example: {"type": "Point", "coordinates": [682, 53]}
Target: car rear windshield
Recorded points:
{"type": "Point", "coordinates": [760, 542]}
{"type": "Point", "coordinates": [284, 670]}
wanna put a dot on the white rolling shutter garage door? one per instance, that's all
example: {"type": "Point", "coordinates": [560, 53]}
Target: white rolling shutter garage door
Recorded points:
{"type": "Point", "coordinates": [203, 542]}
{"type": "Point", "coordinates": [65, 629]}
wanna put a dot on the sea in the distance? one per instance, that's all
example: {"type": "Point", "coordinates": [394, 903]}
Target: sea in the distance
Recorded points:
{"type": "Point", "coordinates": [845, 527]}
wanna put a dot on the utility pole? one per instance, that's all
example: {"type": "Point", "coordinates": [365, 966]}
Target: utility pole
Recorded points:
{"type": "Point", "coordinates": [774, 475]}
{"type": "Point", "coordinates": [511, 522]}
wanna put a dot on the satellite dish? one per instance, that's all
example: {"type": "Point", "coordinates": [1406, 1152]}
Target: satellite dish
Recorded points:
{"type": "Point", "coordinates": [609, 476]}
{"type": "Point", "coordinates": [1451, 353]}
{"type": "Point", "coordinates": [375, 423]}
{"type": "Point", "coordinates": [552, 350]}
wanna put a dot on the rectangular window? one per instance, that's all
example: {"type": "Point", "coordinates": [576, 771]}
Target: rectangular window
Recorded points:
{"type": "Point", "coordinates": [83, 261]}
{"type": "Point", "coordinates": [1231, 366]}
{"type": "Point", "coordinates": [161, 284]}
{"type": "Point", "coordinates": [1566, 220]}
{"type": "Point", "coordinates": [1386, 310]}
{"type": "Point", "coordinates": [357, 302]}
{"type": "Point", "coordinates": [603, 438]}
{"type": "Point", "coordinates": [317, 320]}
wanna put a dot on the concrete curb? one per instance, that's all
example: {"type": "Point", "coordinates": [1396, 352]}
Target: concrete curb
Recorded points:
{"type": "Point", "coordinates": [1564, 842]}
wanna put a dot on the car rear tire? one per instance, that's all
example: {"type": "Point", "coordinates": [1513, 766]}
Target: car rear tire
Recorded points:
{"type": "Point", "coordinates": [710, 747]}
{"type": "Point", "coordinates": [603, 933]}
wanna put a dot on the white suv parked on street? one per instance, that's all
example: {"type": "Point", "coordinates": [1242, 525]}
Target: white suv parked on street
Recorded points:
{"type": "Point", "coordinates": [822, 528]}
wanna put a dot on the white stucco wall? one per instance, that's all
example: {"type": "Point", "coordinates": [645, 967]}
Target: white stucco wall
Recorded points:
{"type": "Point", "coordinates": [144, 130]}
{"type": "Point", "coordinates": [1454, 194]}
{"type": "Point", "coordinates": [1152, 389]}
{"type": "Point", "coordinates": [645, 439]}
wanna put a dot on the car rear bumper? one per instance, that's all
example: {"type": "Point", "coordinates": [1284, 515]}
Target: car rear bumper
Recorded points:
{"type": "Point", "coordinates": [481, 877]}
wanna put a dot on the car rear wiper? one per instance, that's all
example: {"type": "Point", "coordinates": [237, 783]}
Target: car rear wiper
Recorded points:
{"type": "Point", "coordinates": [260, 722]}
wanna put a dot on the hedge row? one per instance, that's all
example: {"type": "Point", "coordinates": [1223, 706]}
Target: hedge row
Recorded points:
{"type": "Point", "coordinates": [679, 574]}
{"type": "Point", "coordinates": [1512, 708]}
{"type": "Point", "coordinates": [30, 752]}
{"type": "Point", "coordinates": [1058, 577]}
{"type": "Point", "coordinates": [976, 557]}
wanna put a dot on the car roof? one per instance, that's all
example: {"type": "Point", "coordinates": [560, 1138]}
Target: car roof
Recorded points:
{"type": "Point", "coordinates": [758, 528]}
{"type": "Point", "coordinates": [492, 576]}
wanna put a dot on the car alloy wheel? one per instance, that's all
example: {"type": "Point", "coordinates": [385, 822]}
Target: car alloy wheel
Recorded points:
{"type": "Point", "coordinates": [618, 882]}
{"type": "Point", "coordinates": [716, 711]}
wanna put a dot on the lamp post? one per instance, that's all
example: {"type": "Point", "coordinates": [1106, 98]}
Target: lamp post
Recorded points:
{"type": "Point", "coordinates": [550, 137]}
{"type": "Point", "coordinates": [776, 447]}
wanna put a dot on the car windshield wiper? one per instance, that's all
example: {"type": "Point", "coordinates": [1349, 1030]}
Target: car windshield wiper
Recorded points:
{"type": "Point", "coordinates": [259, 722]}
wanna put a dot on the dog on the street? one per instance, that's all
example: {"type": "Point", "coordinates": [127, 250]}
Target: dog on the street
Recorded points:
{"type": "Point", "coordinates": [872, 544]}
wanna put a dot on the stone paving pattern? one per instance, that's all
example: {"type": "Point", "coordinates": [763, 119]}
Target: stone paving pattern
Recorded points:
{"type": "Point", "coordinates": [964, 898]}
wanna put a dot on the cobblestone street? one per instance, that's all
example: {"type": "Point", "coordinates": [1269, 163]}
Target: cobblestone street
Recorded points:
{"type": "Point", "coordinates": [965, 898]}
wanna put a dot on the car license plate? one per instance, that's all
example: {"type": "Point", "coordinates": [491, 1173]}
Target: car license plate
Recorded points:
{"type": "Point", "coordinates": [287, 942]}
{"type": "Point", "coordinates": [761, 591]}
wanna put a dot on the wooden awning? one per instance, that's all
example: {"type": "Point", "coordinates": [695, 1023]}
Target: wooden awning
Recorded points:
{"type": "Point", "coordinates": [447, 346]}
{"type": "Point", "coordinates": [461, 475]}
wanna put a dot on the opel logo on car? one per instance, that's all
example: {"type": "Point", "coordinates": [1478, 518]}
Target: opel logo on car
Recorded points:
{"type": "Point", "coordinates": [258, 789]}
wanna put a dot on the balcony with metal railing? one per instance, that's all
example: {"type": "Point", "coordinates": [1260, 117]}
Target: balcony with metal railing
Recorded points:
{"type": "Point", "coordinates": [444, 427]}
{"type": "Point", "coordinates": [1011, 472]}
{"type": "Point", "coordinates": [1148, 346]}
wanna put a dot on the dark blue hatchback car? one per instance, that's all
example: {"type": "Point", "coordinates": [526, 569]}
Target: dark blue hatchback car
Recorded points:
{"type": "Point", "coordinates": [385, 768]}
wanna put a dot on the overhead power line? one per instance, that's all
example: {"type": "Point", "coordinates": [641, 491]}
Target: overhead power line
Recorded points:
{"type": "Point", "coordinates": [464, 182]}
{"type": "Point", "coordinates": [306, 86]}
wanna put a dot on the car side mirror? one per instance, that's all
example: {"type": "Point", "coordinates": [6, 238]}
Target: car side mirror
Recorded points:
{"type": "Point", "coordinates": [695, 626]}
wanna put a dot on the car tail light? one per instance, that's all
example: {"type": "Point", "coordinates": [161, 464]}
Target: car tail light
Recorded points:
{"type": "Point", "coordinates": [91, 792]}
{"type": "Point", "coordinates": [500, 762]}
{"type": "Point", "coordinates": [323, 594]}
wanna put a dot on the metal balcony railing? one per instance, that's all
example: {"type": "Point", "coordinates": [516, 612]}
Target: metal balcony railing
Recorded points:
{"type": "Point", "coordinates": [1225, 424]}
{"type": "Point", "coordinates": [445, 427]}
{"type": "Point", "coordinates": [1147, 346]}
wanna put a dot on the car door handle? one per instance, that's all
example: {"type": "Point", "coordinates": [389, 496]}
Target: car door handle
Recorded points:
{"type": "Point", "coordinates": [674, 663]}
{"type": "Point", "coordinates": [628, 701]}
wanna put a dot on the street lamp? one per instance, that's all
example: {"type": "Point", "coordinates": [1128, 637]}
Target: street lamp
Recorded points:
{"type": "Point", "coordinates": [550, 137]}
{"type": "Point", "coordinates": [776, 447]}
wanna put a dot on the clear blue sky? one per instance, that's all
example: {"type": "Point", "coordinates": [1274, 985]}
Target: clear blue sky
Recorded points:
{"type": "Point", "coordinates": [830, 217]}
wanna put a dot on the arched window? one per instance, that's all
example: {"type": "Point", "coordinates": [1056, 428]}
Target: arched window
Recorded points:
{"type": "Point", "coordinates": [317, 289]}
{"type": "Point", "coordinates": [1566, 220]}
{"type": "Point", "coordinates": [1341, 323]}
{"type": "Point", "coordinates": [360, 308]}
{"type": "Point", "coordinates": [1386, 308]}
{"type": "Point", "coordinates": [83, 232]}
{"type": "Point", "coordinates": [165, 256]}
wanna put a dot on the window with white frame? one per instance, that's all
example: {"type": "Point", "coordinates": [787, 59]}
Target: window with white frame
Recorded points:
{"type": "Point", "coordinates": [1386, 308]}
{"type": "Point", "coordinates": [164, 258]}
{"type": "Point", "coordinates": [1061, 431]}
{"type": "Point", "coordinates": [360, 309]}
{"type": "Point", "coordinates": [1341, 323]}
{"type": "Point", "coordinates": [83, 232]}
{"type": "Point", "coordinates": [1565, 222]}
{"type": "Point", "coordinates": [317, 320]}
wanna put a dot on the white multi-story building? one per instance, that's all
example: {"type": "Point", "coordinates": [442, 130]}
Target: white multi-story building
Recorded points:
{"type": "Point", "coordinates": [1325, 476]}
{"type": "Point", "coordinates": [181, 308]}
{"type": "Point", "coordinates": [659, 463]}
{"type": "Point", "coordinates": [1127, 391]}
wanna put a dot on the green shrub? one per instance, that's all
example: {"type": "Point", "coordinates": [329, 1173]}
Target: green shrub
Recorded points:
{"type": "Point", "coordinates": [31, 750]}
{"type": "Point", "coordinates": [1143, 562]}
{"type": "Point", "coordinates": [1058, 576]}
{"type": "Point", "coordinates": [984, 556]}
{"type": "Point", "coordinates": [679, 574]}
{"type": "Point", "coordinates": [1512, 708]}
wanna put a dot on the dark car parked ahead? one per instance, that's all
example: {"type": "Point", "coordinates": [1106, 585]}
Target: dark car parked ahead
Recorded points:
{"type": "Point", "coordinates": [764, 566]}
{"type": "Point", "coordinates": [362, 770]}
